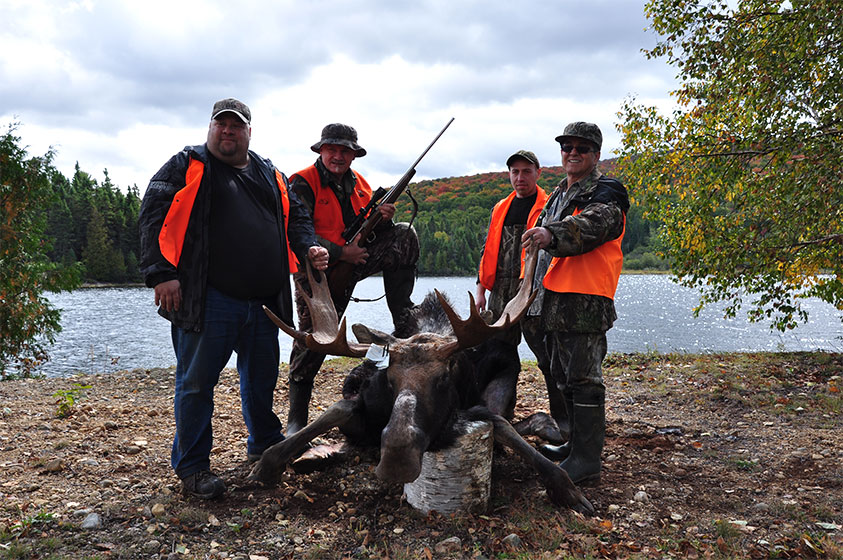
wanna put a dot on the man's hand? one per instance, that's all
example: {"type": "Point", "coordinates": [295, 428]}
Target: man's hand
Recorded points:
{"type": "Point", "coordinates": [318, 256]}
{"type": "Point", "coordinates": [354, 253]}
{"type": "Point", "coordinates": [387, 210]}
{"type": "Point", "coordinates": [480, 297]}
{"type": "Point", "coordinates": [537, 236]}
{"type": "Point", "coordinates": [168, 295]}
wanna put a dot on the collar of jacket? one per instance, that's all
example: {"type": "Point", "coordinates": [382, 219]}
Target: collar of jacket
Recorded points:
{"type": "Point", "coordinates": [346, 182]}
{"type": "Point", "coordinates": [586, 185]}
{"type": "Point", "coordinates": [199, 152]}
{"type": "Point", "coordinates": [265, 166]}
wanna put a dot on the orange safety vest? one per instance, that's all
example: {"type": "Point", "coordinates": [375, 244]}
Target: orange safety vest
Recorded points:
{"type": "Point", "coordinates": [594, 273]}
{"type": "Point", "coordinates": [171, 236]}
{"type": "Point", "coordinates": [489, 260]}
{"type": "Point", "coordinates": [327, 214]}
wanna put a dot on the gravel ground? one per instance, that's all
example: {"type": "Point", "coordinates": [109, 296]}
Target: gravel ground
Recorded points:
{"type": "Point", "coordinates": [735, 455]}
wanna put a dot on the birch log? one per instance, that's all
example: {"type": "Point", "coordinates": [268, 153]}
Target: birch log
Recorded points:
{"type": "Point", "coordinates": [457, 478]}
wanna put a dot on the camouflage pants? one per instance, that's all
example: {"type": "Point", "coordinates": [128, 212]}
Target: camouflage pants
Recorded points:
{"type": "Point", "coordinates": [394, 253]}
{"type": "Point", "coordinates": [576, 361]}
{"type": "Point", "coordinates": [534, 336]}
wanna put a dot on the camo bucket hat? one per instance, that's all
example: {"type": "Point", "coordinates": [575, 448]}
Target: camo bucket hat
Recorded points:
{"type": "Point", "coordinates": [585, 130]}
{"type": "Point", "coordinates": [342, 135]}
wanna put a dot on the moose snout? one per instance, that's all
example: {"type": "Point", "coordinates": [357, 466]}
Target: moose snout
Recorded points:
{"type": "Point", "coordinates": [402, 442]}
{"type": "Point", "coordinates": [399, 465]}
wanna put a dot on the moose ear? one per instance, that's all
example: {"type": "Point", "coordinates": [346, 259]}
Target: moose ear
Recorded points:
{"type": "Point", "coordinates": [365, 335]}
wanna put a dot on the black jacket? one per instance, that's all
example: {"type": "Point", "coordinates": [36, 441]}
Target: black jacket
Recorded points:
{"type": "Point", "coordinates": [192, 269]}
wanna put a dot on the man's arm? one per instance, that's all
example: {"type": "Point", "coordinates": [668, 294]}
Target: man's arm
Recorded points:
{"type": "Point", "coordinates": [305, 196]}
{"type": "Point", "coordinates": [480, 290]}
{"type": "Point", "coordinates": [594, 226]}
{"type": "Point", "coordinates": [300, 233]}
{"type": "Point", "coordinates": [156, 203]}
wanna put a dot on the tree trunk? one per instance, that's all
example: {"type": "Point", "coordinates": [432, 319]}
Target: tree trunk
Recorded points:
{"type": "Point", "coordinates": [457, 478]}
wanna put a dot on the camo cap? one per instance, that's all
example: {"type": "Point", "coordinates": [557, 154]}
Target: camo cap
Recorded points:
{"type": "Point", "coordinates": [231, 105]}
{"type": "Point", "coordinates": [585, 130]}
{"type": "Point", "coordinates": [523, 154]}
{"type": "Point", "coordinates": [342, 135]}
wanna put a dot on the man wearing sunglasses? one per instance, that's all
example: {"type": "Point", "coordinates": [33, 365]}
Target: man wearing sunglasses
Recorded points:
{"type": "Point", "coordinates": [579, 233]}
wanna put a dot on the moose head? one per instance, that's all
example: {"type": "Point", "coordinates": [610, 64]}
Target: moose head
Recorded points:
{"type": "Point", "coordinates": [422, 378]}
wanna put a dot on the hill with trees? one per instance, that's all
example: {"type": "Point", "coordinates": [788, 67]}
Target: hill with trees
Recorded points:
{"type": "Point", "coordinates": [95, 224]}
{"type": "Point", "coordinates": [454, 212]}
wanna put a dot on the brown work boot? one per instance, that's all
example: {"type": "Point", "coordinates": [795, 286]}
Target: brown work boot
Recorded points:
{"type": "Point", "coordinates": [204, 485]}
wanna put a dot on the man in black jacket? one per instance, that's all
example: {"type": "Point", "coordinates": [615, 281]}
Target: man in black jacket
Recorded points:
{"type": "Point", "coordinates": [218, 231]}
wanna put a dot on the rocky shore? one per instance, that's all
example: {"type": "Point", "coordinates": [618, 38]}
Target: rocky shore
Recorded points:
{"type": "Point", "coordinates": [734, 455]}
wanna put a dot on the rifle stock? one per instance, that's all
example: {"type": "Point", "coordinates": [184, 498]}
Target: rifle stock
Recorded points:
{"type": "Point", "coordinates": [339, 279]}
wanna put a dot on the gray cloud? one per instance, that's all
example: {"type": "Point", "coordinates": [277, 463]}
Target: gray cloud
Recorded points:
{"type": "Point", "coordinates": [106, 67]}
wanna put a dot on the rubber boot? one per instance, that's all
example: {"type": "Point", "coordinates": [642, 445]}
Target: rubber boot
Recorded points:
{"type": "Point", "coordinates": [560, 452]}
{"type": "Point", "coordinates": [398, 285]}
{"type": "Point", "coordinates": [558, 407]}
{"type": "Point", "coordinates": [589, 431]}
{"type": "Point", "coordinates": [300, 392]}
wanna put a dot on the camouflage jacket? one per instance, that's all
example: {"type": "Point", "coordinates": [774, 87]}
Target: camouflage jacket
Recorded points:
{"type": "Point", "coordinates": [603, 204]}
{"type": "Point", "coordinates": [342, 188]}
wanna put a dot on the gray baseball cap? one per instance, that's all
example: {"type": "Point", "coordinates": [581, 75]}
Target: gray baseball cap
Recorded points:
{"type": "Point", "coordinates": [585, 130]}
{"type": "Point", "coordinates": [342, 135]}
{"type": "Point", "coordinates": [231, 105]}
{"type": "Point", "coordinates": [523, 154]}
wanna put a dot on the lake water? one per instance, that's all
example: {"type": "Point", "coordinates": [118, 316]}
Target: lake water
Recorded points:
{"type": "Point", "coordinates": [108, 329]}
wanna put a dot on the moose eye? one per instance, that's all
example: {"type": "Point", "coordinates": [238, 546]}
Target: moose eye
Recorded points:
{"type": "Point", "coordinates": [390, 385]}
{"type": "Point", "coordinates": [443, 381]}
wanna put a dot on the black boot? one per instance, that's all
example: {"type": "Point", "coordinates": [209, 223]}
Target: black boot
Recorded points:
{"type": "Point", "coordinates": [299, 401]}
{"type": "Point", "coordinates": [398, 285]}
{"type": "Point", "coordinates": [587, 436]}
{"type": "Point", "coordinates": [566, 402]}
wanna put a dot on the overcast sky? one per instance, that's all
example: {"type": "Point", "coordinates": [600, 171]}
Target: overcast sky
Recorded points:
{"type": "Point", "coordinates": [124, 85]}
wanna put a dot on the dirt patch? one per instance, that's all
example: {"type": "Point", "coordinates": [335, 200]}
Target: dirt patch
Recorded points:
{"type": "Point", "coordinates": [733, 455]}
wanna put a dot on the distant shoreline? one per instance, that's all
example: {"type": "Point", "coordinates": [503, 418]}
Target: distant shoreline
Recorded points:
{"type": "Point", "coordinates": [93, 285]}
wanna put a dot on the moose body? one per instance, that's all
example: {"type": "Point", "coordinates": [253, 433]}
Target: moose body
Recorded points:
{"type": "Point", "coordinates": [411, 405]}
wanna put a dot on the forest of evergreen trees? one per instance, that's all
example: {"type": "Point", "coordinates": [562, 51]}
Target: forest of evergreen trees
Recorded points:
{"type": "Point", "coordinates": [96, 224]}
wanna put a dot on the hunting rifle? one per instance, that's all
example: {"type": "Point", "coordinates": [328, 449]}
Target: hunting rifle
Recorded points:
{"type": "Point", "coordinates": [364, 225]}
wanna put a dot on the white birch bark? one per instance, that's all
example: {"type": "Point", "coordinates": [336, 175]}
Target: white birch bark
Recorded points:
{"type": "Point", "coordinates": [457, 478]}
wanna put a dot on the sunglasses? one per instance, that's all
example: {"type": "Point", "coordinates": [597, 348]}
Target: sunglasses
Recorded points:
{"type": "Point", "coordinates": [582, 150]}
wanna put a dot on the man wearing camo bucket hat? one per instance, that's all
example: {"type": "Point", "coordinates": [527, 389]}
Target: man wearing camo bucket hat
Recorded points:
{"type": "Point", "coordinates": [335, 194]}
{"type": "Point", "coordinates": [579, 233]}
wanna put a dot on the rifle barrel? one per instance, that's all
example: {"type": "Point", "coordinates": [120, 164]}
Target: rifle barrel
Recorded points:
{"type": "Point", "coordinates": [424, 153]}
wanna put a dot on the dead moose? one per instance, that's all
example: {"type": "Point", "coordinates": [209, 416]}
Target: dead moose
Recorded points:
{"type": "Point", "coordinates": [411, 405]}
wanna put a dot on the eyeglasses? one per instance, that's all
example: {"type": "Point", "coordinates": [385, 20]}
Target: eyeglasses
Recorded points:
{"type": "Point", "coordinates": [582, 150]}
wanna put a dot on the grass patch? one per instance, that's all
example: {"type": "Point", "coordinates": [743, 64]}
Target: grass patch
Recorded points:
{"type": "Point", "coordinates": [788, 510]}
{"type": "Point", "coordinates": [743, 464]}
{"type": "Point", "coordinates": [728, 535]}
{"type": "Point", "coordinates": [192, 517]}
{"type": "Point", "coordinates": [831, 403]}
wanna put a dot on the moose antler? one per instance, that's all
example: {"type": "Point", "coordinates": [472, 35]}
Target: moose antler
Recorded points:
{"type": "Point", "coordinates": [327, 337]}
{"type": "Point", "coordinates": [474, 330]}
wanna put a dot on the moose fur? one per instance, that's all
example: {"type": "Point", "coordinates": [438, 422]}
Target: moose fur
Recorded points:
{"type": "Point", "coordinates": [411, 406]}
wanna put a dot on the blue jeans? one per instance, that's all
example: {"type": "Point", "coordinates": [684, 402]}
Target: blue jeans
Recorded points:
{"type": "Point", "coordinates": [230, 325]}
